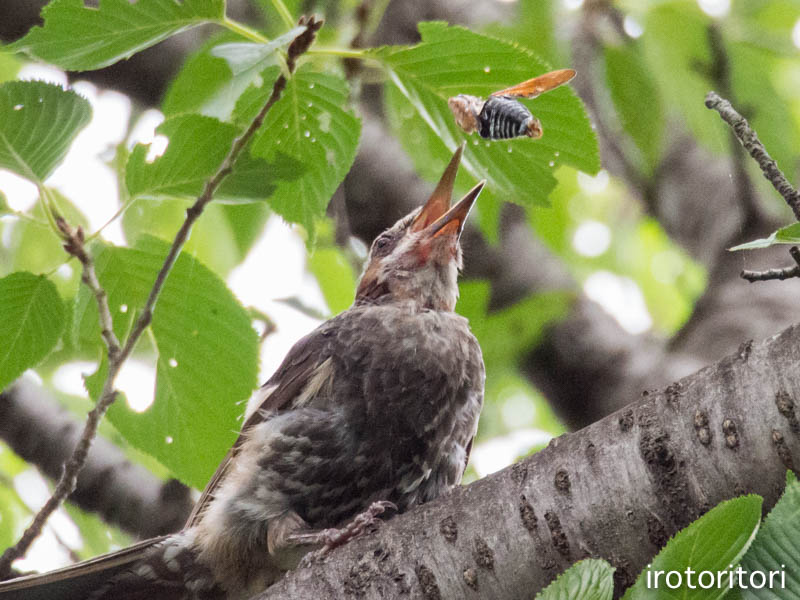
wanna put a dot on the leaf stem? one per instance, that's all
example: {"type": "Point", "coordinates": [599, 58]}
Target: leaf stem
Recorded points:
{"type": "Point", "coordinates": [284, 13]}
{"type": "Point", "coordinates": [48, 206]}
{"type": "Point", "coordinates": [344, 52]}
{"type": "Point", "coordinates": [23, 217]}
{"type": "Point", "coordinates": [123, 207]}
{"type": "Point", "coordinates": [244, 31]}
{"type": "Point", "coordinates": [255, 36]}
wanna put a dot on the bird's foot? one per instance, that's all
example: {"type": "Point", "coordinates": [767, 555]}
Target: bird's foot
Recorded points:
{"type": "Point", "coordinates": [333, 538]}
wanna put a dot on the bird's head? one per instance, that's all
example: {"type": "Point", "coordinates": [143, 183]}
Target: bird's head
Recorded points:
{"type": "Point", "coordinates": [418, 258]}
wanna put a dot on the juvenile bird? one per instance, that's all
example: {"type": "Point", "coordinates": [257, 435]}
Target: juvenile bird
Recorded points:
{"type": "Point", "coordinates": [375, 408]}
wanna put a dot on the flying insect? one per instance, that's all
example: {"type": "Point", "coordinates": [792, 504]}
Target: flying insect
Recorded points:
{"type": "Point", "coordinates": [502, 116]}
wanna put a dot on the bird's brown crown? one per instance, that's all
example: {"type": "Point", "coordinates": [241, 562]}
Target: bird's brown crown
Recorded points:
{"type": "Point", "coordinates": [416, 260]}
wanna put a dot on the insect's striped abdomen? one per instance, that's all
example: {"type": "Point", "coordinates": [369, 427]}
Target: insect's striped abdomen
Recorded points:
{"type": "Point", "coordinates": [502, 118]}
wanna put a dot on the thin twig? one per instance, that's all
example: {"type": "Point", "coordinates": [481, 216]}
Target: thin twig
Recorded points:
{"type": "Point", "coordinates": [74, 245]}
{"type": "Point", "coordinates": [116, 356]}
{"type": "Point", "coordinates": [753, 145]}
{"type": "Point", "coordinates": [780, 274]}
{"type": "Point", "coordinates": [770, 274]}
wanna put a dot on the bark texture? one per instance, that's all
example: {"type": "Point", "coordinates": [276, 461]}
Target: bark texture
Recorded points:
{"type": "Point", "coordinates": [617, 490]}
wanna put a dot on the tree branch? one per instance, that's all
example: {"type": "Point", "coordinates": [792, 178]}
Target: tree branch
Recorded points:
{"type": "Point", "coordinates": [74, 246]}
{"type": "Point", "coordinates": [116, 357]}
{"type": "Point", "coordinates": [617, 490]}
{"type": "Point", "coordinates": [751, 143]}
{"type": "Point", "coordinates": [770, 274]}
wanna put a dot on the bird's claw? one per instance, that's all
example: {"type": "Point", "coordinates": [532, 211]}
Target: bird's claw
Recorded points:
{"type": "Point", "coordinates": [335, 537]}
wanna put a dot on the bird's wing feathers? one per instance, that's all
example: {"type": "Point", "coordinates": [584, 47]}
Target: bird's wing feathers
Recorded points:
{"type": "Point", "coordinates": [75, 581]}
{"type": "Point", "coordinates": [285, 386]}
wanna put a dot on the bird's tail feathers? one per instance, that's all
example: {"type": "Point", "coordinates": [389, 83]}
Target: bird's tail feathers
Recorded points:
{"type": "Point", "coordinates": [159, 568]}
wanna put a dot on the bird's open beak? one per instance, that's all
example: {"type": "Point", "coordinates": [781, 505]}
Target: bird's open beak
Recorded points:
{"type": "Point", "coordinates": [452, 222]}
{"type": "Point", "coordinates": [439, 202]}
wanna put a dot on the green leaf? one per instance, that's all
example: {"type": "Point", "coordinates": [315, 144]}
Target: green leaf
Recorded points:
{"type": "Point", "coordinates": [714, 542]}
{"type": "Point", "coordinates": [454, 60]}
{"type": "Point", "coordinates": [216, 240]}
{"type": "Point", "coordinates": [31, 321]}
{"type": "Point", "coordinates": [309, 129]}
{"type": "Point", "coordinates": [13, 515]}
{"type": "Point", "coordinates": [335, 277]}
{"type": "Point", "coordinates": [504, 335]}
{"type": "Point", "coordinates": [776, 548]}
{"type": "Point", "coordinates": [9, 66]}
{"type": "Point", "coordinates": [207, 357]}
{"type": "Point", "coordinates": [205, 84]}
{"type": "Point", "coordinates": [255, 179]}
{"type": "Point", "coordinates": [590, 579]}
{"type": "Point", "coordinates": [38, 122]}
{"type": "Point", "coordinates": [197, 147]}
{"type": "Point", "coordinates": [34, 246]}
{"type": "Point", "coordinates": [632, 88]}
{"type": "Point", "coordinates": [248, 56]}
{"type": "Point", "coordinates": [785, 235]}
{"type": "Point", "coordinates": [79, 38]}
{"type": "Point", "coordinates": [98, 537]}
{"type": "Point", "coordinates": [246, 221]}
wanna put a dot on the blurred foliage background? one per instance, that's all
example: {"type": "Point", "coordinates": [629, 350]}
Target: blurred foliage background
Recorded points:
{"type": "Point", "coordinates": [599, 212]}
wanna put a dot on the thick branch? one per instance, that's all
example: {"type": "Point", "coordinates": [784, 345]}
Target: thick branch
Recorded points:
{"type": "Point", "coordinates": [122, 493]}
{"type": "Point", "coordinates": [617, 490]}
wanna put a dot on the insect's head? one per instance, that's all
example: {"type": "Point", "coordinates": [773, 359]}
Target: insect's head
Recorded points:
{"type": "Point", "coordinates": [466, 109]}
{"type": "Point", "coordinates": [534, 129]}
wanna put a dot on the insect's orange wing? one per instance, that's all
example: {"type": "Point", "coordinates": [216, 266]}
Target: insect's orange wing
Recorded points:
{"type": "Point", "coordinates": [538, 85]}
